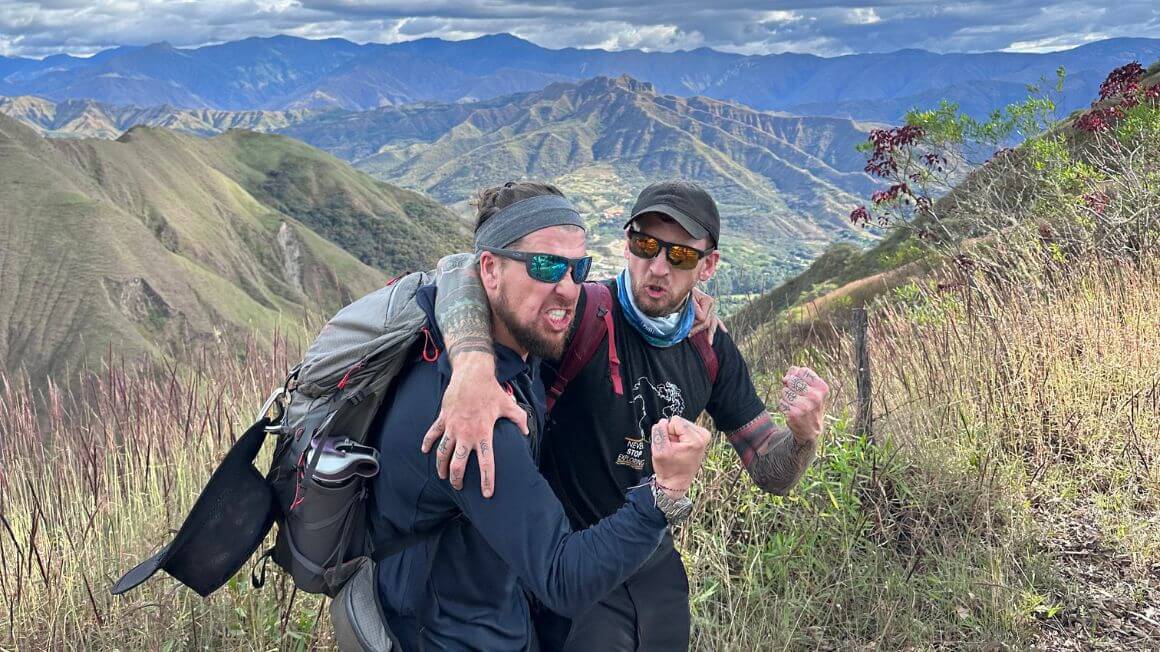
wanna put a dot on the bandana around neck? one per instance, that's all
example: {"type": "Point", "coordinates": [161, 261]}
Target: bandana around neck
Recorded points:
{"type": "Point", "coordinates": [661, 332]}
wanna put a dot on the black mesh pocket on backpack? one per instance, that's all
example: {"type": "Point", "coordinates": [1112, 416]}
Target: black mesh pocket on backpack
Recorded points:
{"type": "Point", "coordinates": [323, 528]}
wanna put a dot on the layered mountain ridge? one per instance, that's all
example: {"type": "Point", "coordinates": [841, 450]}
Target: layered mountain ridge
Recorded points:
{"type": "Point", "coordinates": [785, 183]}
{"type": "Point", "coordinates": [284, 72]}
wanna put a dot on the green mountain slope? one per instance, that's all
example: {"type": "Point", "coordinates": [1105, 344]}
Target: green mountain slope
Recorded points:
{"type": "Point", "coordinates": [784, 183]}
{"type": "Point", "coordinates": [160, 239]}
{"type": "Point", "coordinates": [845, 276]}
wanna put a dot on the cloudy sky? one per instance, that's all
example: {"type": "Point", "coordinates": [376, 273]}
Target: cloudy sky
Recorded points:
{"type": "Point", "coordinates": [821, 27]}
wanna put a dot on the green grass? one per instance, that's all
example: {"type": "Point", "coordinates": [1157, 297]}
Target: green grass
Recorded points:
{"type": "Point", "coordinates": [1012, 498]}
{"type": "Point", "coordinates": [997, 460]}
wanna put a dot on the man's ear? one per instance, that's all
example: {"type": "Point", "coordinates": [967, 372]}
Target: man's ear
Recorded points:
{"type": "Point", "coordinates": [710, 266]}
{"type": "Point", "coordinates": [489, 268]}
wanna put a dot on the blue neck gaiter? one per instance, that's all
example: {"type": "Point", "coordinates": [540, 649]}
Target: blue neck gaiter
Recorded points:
{"type": "Point", "coordinates": [661, 332]}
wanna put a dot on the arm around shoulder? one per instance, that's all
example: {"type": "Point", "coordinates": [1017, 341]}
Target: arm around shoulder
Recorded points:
{"type": "Point", "coordinates": [525, 524]}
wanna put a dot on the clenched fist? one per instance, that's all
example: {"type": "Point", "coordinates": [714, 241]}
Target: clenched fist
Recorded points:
{"type": "Point", "coordinates": [803, 402]}
{"type": "Point", "coordinates": [678, 447]}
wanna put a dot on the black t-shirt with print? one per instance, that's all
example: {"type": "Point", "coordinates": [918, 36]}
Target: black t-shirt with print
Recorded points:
{"type": "Point", "coordinates": [597, 443]}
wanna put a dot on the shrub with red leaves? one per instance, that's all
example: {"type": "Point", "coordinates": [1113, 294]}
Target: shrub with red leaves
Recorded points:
{"type": "Point", "coordinates": [1123, 86]}
{"type": "Point", "coordinates": [860, 215]}
{"type": "Point", "coordinates": [1094, 121]}
{"type": "Point", "coordinates": [886, 142]}
{"type": "Point", "coordinates": [1124, 80]}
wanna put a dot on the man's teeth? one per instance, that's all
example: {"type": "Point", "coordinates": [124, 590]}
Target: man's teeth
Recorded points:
{"type": "Point", "coordinates": [556, 314]}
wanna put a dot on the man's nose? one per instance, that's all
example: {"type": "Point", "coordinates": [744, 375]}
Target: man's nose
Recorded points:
{"type": "Point", "coordinates": [659, 264]}
{"type": "Point", "coordinates": [567, 288]}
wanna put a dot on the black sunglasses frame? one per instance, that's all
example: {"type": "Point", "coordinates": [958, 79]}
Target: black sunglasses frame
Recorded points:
{"type": "Point", "coordinates": [526, 258]}
{"type": "Point", "coordinates": [667, 247]}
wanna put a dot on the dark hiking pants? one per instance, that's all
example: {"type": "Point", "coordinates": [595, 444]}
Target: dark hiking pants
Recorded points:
{"type": "Point", "coordinates": [648, 613]}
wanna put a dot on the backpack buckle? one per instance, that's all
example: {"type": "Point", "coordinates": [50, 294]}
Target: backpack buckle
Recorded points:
{"type": "Point", "coordinates": [275, 400]}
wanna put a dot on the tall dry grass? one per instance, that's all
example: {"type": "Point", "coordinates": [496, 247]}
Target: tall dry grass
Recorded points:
{"type": "Point", "coordinates": [1016, 415]}
{"type": "Point", "coordinates": [95, 479]}
{"type": "Point", "coordinates": [1009, 409]}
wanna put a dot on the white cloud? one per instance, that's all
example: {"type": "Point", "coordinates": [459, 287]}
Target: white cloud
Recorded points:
{"type": "Point", "coordinates": [862, 16]}
{"type": "Point", "coordinates": [826, 27]}
{"type": "Point", "coordinates": [779, 16]}
{"type": "Point", "coordinates": [1054, 43]}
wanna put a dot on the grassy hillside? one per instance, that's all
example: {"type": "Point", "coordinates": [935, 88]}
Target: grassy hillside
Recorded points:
{"type": "Point", "coordinates": [1038, 196]}
{"type": "Point", "coordinates": [385, 226]}
{"type": "Point", "coordinates": [158, 241]}
{"type": "Point", "coordinates": [1010, 503]}
{"type": "Point", "coordinates": [1010, 499]}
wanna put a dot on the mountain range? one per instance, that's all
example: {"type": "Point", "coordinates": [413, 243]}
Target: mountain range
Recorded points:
{"type": "Point", "coordinates": [785, 184]}
{"type": "Point", "coordinates": [285, 72]}
{"type": "Point", "coordinates": [159, 239]}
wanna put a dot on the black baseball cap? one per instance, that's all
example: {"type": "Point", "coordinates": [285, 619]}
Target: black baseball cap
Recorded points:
{"type": "Point", "coordinates": [684, 201]}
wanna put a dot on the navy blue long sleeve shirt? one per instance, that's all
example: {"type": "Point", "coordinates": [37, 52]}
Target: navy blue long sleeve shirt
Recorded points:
{"type": "Point", "coordinates": [464, 588]}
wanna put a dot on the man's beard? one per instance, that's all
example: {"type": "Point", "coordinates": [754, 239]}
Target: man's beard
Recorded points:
{"type": "Point", "coordinates": [649, 306]}
{"type": "Point", "coordinates": [538, 343]}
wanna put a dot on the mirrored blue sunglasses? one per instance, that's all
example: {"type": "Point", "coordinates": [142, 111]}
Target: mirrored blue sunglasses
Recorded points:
{"type": "Point", "coordinates": [548, 268]}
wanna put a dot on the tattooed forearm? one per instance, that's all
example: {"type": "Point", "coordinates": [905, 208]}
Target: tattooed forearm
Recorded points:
{"type": "Point", "coordinates": [772, 456]}
{"type": "Point", "coordinates": [461, 308]}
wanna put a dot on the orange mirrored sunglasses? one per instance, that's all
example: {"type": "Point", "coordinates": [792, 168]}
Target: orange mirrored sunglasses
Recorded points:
{"type": "Point", "coordinates": [679, 256]}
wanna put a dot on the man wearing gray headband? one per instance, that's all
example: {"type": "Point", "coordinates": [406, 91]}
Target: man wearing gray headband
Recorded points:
{"type": "Point", "coordinates": [462, 582]}
{"type": "Point", "coordinates": [639, 368]}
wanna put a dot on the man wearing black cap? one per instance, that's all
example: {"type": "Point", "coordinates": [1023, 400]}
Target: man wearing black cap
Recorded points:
{"type": "Point", "coordinates": [463, 585]}
{"type": "Point", "coordinates": [652, 369]}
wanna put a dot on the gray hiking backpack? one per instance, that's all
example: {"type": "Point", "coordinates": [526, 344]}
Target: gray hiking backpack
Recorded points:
{"type": "Point", "coordinates": [321, 465]}
{"type": "Point", "coordinates": [316, 489]}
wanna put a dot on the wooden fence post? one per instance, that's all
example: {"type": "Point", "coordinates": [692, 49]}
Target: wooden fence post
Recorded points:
{"type": "Point", "coordinates": [864, 422]}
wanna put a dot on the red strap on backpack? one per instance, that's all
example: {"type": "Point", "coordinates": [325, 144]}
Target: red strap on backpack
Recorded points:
{"type": "Point", "coordinates": [708, 355]}
{"type": "Point", "coordinates": [595, 322]}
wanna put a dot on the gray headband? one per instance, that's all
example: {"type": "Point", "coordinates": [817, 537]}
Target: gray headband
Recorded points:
{"type": "Point", "coordinates": [521, 218]}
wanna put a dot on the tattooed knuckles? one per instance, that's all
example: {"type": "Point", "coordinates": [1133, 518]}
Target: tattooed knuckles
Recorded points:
{"type": "Point", "coordinates": [802, 401]}
{"type": "Point", "coordinates": [678, 447]}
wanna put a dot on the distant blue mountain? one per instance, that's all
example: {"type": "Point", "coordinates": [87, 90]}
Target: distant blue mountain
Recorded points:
{"type": "Point", "coordinates": [288, 72]}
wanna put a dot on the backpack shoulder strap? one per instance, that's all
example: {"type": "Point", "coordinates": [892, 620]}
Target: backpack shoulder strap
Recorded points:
{"type": "Point", "coordinates": [708, 355]}
{"type": "Point", "coordinates": [595, 322]}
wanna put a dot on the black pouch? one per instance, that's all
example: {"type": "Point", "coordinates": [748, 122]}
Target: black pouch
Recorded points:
{"type": "Point", "coordinates": [226, 525]}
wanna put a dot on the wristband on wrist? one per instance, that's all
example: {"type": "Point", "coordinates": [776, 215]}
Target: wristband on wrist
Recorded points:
{"type": "Point", "coordinates": [675, 511]}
